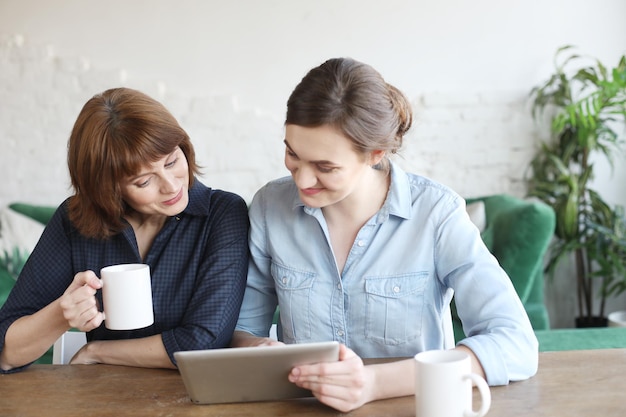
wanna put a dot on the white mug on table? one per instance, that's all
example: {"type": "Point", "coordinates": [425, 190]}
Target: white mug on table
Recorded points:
{"type": "Point", "coordinates": [127, 296]}
{"type": "Point", "coordinates": [444, 385]}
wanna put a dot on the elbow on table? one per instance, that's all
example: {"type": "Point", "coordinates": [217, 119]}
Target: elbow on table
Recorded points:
{"type": "Point", "coordinates": [506, 359]}
{"type": "Point", "coordinates": [528, 363]}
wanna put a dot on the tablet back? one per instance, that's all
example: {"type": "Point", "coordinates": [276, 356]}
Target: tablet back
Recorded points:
{"type": "Point", "coordinates": [249, 374]}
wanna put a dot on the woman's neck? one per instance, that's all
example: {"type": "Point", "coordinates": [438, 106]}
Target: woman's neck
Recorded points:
{"type": "Point", "coordinates": [346, 218]}
{"type": "Point", "coordinates": [146, 228]}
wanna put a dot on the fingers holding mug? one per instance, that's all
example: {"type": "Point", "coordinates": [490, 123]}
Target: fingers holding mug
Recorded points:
{"type": "Point", "coordinates": [79, 304]}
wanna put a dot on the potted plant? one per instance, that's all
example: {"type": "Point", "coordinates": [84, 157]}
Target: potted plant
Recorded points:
{"type": "Point", "coordinates": [588, 112]}
{"type": "Point", "coordinates": [607, 248]}
{"type": "Point", "coordinates": [11, 263]}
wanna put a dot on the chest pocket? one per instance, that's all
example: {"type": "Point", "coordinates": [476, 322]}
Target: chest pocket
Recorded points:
{"type": "Point", "coordinates": [394, 308]}
{"type": "Point", "coordinates": [293, 288]}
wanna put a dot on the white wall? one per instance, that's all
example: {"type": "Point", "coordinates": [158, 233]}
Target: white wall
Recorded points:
{"type": "Point", "coordinates": [225, 69]}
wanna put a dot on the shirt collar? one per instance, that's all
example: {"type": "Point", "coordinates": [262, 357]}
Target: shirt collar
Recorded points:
{"type": "Point", "coordinates": [398, 202]}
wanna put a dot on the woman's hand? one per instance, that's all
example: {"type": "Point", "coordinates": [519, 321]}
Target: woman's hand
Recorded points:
{"type": "Point", "coordinates": [343, 385]}
{"type": "Point", "coordinates": [79, 304]}
{"type": "Point", "coordinates": [143, 352]}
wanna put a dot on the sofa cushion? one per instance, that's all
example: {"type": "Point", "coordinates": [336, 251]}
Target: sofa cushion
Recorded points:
{"type": "Point", "coordinates": [518, 234]}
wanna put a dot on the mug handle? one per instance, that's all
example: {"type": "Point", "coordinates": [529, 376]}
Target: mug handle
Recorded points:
{"type": "Point", "coordinates": [485, 396]}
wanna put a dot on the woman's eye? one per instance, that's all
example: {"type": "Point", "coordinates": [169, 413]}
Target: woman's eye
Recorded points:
{"type": "Point", "coordinates": [143, 184]}
{"type": "Point", "coordinates": [325, 169]}
{"type": "Point", "coordinates": [171, 164]}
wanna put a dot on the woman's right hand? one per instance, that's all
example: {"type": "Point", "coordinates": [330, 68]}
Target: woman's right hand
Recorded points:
{"type": "Point", "coordinates": [79, 304]}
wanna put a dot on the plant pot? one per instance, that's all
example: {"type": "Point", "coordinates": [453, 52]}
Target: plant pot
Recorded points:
{"type": "Point", "coordinates": [595, 321]}
{"type": "Point", "coordinates": [617, 319]}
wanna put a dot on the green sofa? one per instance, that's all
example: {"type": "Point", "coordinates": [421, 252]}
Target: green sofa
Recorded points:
{"type": "Point", "coordinates": [518, 233]}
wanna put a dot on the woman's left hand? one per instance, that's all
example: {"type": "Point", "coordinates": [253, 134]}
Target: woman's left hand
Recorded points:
{"type": "Point", "coordinates": [343, 385]}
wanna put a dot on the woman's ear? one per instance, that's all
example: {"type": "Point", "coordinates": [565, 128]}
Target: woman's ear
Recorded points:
{"type": "Point", "coordinates": [376, 156]}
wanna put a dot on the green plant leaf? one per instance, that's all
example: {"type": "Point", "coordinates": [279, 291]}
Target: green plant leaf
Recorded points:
{"type": "Point", "coordinates": [588, 107]}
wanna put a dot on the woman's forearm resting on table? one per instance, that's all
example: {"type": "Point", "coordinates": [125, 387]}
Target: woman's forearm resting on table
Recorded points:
{"type": "Point", "coordinates": [29, 337]}
{"type": "Point", "coordinates": [147, 352]}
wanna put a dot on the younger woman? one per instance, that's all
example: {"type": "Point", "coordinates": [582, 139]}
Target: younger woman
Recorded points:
{"type": "Point", "coordinates": [354, 249]}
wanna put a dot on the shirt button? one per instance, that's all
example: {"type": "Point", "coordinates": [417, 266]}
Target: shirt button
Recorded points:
{"type": "Point", "coordinates": [338, 286]}
{"type": "Point", "coordinates": [339, 333]}
{"type": "Point", "coordinates": [284, 280]}
{"type": "Point", "coordinates": [396, 289]}
{"type": "Point", "coordinates": [361, 243]}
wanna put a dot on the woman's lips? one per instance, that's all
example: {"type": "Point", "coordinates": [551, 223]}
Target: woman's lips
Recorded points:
{"type": "Point", "coordinates": [310, 191]}
{"type": "Point", "coordinates": [175, 199]}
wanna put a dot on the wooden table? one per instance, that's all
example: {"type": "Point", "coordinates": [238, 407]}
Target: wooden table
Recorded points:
{"type": "Point", "coordinates": [569, 383]}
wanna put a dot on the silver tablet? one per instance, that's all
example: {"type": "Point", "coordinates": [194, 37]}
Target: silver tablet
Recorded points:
{"type": "Point", "coordinates": [249, 374]}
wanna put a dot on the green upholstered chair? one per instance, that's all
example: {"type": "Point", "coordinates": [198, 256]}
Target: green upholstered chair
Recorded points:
{"type": "Point", "coordinates": [518, 233]}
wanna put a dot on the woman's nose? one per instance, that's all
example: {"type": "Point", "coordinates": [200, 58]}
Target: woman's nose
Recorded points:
{"type": "Point", "coordinates": [304, 177]}
{"type": "Point", "coordinates": [169, 184]}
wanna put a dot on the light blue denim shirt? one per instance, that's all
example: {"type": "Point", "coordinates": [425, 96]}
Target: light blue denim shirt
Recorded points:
{"type": "Point", "coordinates": [390, 297]}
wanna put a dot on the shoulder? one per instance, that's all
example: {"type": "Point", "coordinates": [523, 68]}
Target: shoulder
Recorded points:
{"type": "Point", "coordinates": [413, 192]}
{"type": "Point", "coordinates": [61, 216]}
{"type": "Point", "coordinates": [282, 190]}
{"type": "Point", "coordinates": [427, 188]}
{"type": "Point", "coordinates": [276, 202]}
{"type": "Point", "coordinates": [279, 186]}
{"type": "Point", "coordinates": [204, 201]}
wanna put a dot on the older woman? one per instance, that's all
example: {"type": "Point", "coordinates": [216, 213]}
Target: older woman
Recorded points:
{"type": "Point", "coordinates": [136, 200]}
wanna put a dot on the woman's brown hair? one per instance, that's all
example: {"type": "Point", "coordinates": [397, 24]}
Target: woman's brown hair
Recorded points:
{"type": "Point", "coordinates": [117, 133]}
{"type": "Point", "coordinates": [355, 99]}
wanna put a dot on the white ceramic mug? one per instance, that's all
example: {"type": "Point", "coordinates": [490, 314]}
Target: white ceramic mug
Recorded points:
{"type": "Point", "coordinates": [444, 385]}
{"type": "Point", "coordinates": [127, 296]}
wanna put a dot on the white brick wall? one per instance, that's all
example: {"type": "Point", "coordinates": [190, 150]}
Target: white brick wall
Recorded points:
{"type": "Point", "coordinates": [477, 144]}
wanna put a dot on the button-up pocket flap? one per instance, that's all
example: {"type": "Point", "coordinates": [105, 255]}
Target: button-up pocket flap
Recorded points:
{"type": "Point", "coordinates": [291, 279]}
{"type": "Point", "coordinates": [397, 286]}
